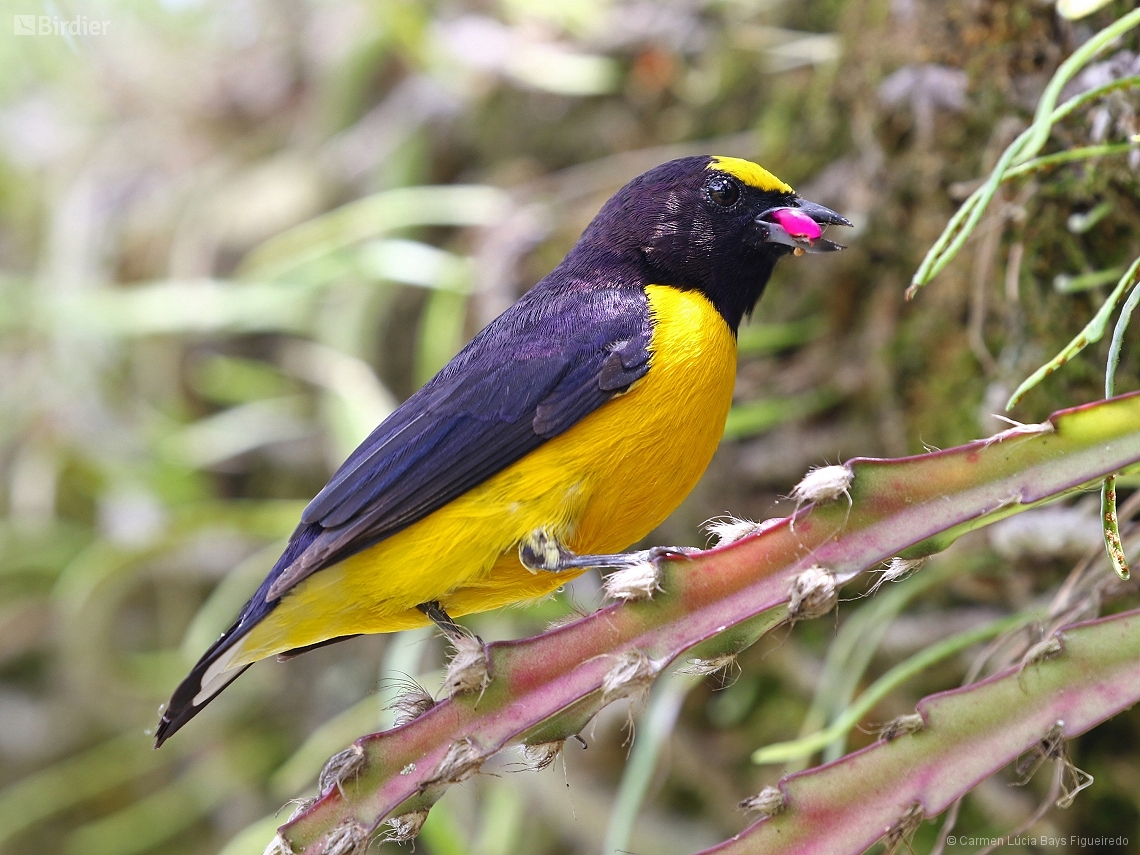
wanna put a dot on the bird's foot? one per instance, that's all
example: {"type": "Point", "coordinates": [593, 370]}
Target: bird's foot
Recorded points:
{"type": "Point", "coordinates": [636, 576]}
{"type": "Point", "coordinates": [443, 620]}
{"type": "Point", "coordinates": [470, 667]}
{"type": "Point", "coordinates": [542, 552]}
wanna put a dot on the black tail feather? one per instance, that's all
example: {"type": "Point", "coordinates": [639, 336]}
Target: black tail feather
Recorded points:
{"type": "Point", "coordinates": [182, 706]}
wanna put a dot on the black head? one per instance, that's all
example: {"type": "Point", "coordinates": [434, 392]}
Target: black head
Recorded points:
{"type": "Point", "coordinates": [717, 224]}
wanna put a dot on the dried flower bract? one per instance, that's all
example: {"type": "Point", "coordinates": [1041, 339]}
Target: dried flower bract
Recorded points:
{"type": "Point", "coordinates": [728, 529]}
{"type": "Point", "coordinates": [1047, 648]}
{"type": "Point", "coordinates": [638, 581]}
{"type": "Point", "coordinates": [462, 760]}
{"type": "Point", "coordinates": [1054, 746]}
{"type": "Point", "coordinates": [705, 667]}
{"type": "Point", "coordinates": [469, 669]}
{"type": "Point", "coordinates": [896, 570]}
{"type": "Point", "coordinates": [813, 594]}
{"type": "Point", "coordinates": [540, 755]}
{"type": "Point", "coordinates": [406, 826]}
{"type": "Point", "coordinates": [768, 802]}
{"type": "Point", "coordinates": [901, 726]}
{"type": "Point", "coordinates": [899, 834]}
{"type": "Point", "coordinates": [302, 805]}
{"type": "Point", "coordinates": [348, 838]}
{"type": "Point", "coordinates": [410, 705]}
{"type": "Point", "coordinates": [1019, 429]}
{"type": "Point", "coordinates": [631, 674]}
{"type": "Point", "coordinates": [823, 484]}
{"type": "Point", "coordinates": [340, 767]}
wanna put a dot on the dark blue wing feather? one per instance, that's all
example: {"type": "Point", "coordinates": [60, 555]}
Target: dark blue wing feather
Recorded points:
{"type": "Point", "coordinates": [554, 357]}
{"type": "Point", "coordinates": [537, 370]}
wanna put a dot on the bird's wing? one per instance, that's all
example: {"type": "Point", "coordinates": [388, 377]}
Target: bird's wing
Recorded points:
{"type": "Point", "coordinates": [533, 373]}
{"type": "Point", "coordinates": [547, 362]}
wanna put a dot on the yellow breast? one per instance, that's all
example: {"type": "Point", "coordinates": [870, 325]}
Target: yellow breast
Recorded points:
{"type": "Point", "coordinates": [599, 487]}
{"type": "Point", "coordinates": [642, 453]}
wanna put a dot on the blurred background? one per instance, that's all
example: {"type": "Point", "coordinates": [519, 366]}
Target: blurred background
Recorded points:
{"type": "Point", "coordinates": [235, 233]}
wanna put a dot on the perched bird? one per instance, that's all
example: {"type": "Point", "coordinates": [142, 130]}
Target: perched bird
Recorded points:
{"type": "Point", "coordinates": [565, 431]}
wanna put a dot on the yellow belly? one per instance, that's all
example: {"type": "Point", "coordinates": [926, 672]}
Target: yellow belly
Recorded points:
{"type": "Point", "coordinates": [598, 487]}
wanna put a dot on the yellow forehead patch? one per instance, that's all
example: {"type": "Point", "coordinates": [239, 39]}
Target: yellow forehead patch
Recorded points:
{"type": "Point", "coordinates": [749, 173]}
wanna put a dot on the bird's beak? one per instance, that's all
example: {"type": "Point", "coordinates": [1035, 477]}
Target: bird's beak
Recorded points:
{"type": "Point", "coordinates": [801, 227]}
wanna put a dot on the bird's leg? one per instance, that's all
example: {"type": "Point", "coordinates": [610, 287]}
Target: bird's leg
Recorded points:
{"type": "Point", "coordinates": [442, 619]}
{"type": "Point", "coordinates": [541, 551]}
{"type": "Point", "coordinates": [470, 667]}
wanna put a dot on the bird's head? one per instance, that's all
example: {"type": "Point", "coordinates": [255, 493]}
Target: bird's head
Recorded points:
{"type": "Point", "coordinates": [717, 224]}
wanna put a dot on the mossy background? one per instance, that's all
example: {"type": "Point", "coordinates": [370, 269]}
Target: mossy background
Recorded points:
{"type": "Point", "coordinates": [171, 395]}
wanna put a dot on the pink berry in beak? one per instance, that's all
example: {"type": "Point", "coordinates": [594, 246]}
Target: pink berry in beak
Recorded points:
{"type": "Point", "coordinates": [796, 223]}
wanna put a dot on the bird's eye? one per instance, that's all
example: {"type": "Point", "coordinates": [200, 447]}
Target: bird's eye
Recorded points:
{"type": "Point", "coordinates": [723, 190]}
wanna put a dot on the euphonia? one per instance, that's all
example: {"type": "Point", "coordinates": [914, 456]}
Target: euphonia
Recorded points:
{"type": "Point", "coordinates": [565, 431]}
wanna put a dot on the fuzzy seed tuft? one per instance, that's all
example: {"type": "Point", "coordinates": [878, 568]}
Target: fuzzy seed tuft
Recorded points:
{"type": "Point", "coordinates": [901, 726]}
{"type": "Point", "coordinates": [565, 620]}
{"type": "Point", "coordinates": [406, 826]}
{"type": "Point", "coordinates": [1047, 648]}
{"type": "Point", "coordinates": [540, 755]}
{"type": "Point", "coordinates": [631, 675]}
{"type": "Point", "coordinates": [768, 802]}
{"type": "Point", "coordinates": [462, 760]}
{"type": "Point", "coordinates": [706, 667]}
{"type": "Point", "coordinates": [823, 484]}
{"type": "Point", "coordinates": [813, 595]}
{"type": "Point", "coordinates": [896, 570]}
{"type": "Point", "coordinates": [469, 669]}
{"type": "Point", "coordinates": [410, 704]}
{"type": "Point", "coordinates": [348, 838]}
{"type": "Point", "coordinates": [729, 529]}
{"type": "Point", "coordinates": [900, 833]}
{"type": "Point", "coordinates": [636, 582]}
{"type": "Point", "coordinates": [302, 805]}
{"type": "Point", "coordinates": [340, 767]}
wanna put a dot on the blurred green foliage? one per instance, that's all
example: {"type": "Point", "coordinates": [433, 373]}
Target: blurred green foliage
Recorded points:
{"type": "Point", "coordinates": [234, 233]}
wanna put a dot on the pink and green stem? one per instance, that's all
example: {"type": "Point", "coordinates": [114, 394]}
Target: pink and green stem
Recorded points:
{"type": "Point", "coordinates": [716, 603]}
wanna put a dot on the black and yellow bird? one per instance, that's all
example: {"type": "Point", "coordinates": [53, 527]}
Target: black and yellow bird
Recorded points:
{"type": "Point", "coordinates": [562, 433]}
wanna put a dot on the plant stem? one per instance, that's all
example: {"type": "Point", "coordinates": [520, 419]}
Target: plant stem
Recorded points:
{"type": "Point", "coordinates": [1068, 156]}
{"type": "Point", "coordinates": [878, 690]}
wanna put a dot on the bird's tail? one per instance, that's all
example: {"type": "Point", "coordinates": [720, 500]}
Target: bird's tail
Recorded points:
{"type": "Point", "coordinates": [217, 668]}
{"type": "Point", "coordinates": [205, 680]}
